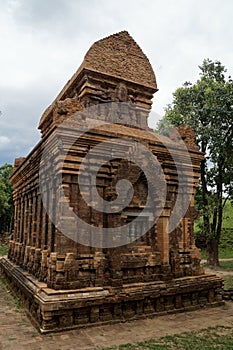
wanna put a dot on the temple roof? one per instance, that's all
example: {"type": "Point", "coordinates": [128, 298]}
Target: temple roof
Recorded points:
{"type": "Point", "coordinates": [119, 55]}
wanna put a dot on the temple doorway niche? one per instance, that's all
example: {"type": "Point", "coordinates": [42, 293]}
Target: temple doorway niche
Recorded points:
{"type": "Point", "coordinates": [139, 229]}
{"type": "Point", "coordinates": [140, 216]}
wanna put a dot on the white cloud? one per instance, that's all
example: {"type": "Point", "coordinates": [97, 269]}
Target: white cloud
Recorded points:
{"type": "Point", "coordinates": [4, 141]}
{"type": "Point", "coordinates": [43, 43]}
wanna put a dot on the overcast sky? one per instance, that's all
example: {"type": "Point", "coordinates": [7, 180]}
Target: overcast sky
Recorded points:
{"type": "Point", "coordinates": [43, 42]}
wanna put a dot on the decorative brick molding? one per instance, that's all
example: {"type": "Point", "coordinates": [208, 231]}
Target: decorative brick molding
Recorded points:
{"type": "Point", "coordinates": [65, 284]}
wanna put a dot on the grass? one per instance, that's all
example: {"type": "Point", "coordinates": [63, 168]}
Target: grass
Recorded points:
{"type": "Point", "coordinates": [226, 242]}
{"type": "Point", "coordinates": [228, 282]}
{"type": "Point", "coordinates": [10, 293]}
{"type": "Point", "coordinates": [226, 265]}
{"type": "Point", "coordinates": [5, 285]}
{"type": "Point", "coordinates": [224, 253]}
{"type": "Point", "coordinates": [227, 219]}
{"type": "Point", "coordinates": [3, 249]}
{"type": "Point", "coordinates": [219, 337]}
{"type": "Point", "coordinates": [227, 216]}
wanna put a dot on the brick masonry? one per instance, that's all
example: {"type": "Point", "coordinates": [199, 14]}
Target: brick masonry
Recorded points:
{"type": "Point", "coordinates": [65, 284]}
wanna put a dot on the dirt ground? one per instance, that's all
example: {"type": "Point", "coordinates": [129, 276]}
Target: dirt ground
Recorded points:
{"type": "Point", "coordinates": [16, 331]}
{"type": "Point", "coordinates": [220, 272]}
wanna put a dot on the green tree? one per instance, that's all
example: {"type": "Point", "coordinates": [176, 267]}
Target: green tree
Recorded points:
{"type": "Point", "coordinates": [207, 106]}
{"type": "Point", "coordinates": [6, 199]}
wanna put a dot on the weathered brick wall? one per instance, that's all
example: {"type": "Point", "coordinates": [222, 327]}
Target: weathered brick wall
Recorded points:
{"type": "Point", "coordinates": [156, 273]}
{"type": "Point", "coordinates": [44, 251]}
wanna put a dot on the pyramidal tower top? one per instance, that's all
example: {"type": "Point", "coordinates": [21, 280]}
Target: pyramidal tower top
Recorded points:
{"type": "Point", "coordinates": [114, 69]}
{"type": "Point", "coordinates": [120, 56]}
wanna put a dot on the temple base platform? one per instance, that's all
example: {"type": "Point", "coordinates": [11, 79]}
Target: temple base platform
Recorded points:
{"type": "Point", "coordinates": [56, 310]}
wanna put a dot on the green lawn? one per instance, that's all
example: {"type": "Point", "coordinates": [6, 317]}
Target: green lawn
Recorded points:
{"type": "Point", "coordinates": [219, 337]}
{"type": "Point", "coordinates": [11, 295]}
{"type": "Point", "coordinates": [226, 265]}
{"type": "Point", "coordinates": [224, 253]}
{"type": "Point", "coordinates": [3, 249]}
{"type": "Point", "coordinates": [228, 216]}
{"type": "Point", "coordinates": [228, 282]}
{"type": "Point", "coordinates": [226, 240]}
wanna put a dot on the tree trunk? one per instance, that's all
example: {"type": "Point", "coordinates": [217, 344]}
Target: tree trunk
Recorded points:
{"type": "Point", "coordinates": [212, 252]}
{"type": "Point", "coordinates": [206, 220]}
{"type": "Point", "coordinates": [218, 229]}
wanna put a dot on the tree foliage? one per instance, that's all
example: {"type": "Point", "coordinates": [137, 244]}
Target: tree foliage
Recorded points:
{"type": "Point", "coordinates": [207, 106]}
{"type": "Point", "coordinates": [6, 199]}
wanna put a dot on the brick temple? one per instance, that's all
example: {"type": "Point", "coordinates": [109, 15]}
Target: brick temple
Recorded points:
{"type": "Point", "coordinates": [66, 284]}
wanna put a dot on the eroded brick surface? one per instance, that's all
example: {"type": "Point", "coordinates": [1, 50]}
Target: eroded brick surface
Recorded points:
{"type": "Point", "coordinates": [157, 272]}
{"type": "Point", "coordinates": [17, 332]}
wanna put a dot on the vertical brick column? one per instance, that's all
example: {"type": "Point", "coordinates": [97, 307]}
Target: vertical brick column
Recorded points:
{"type": "Point", "coordinates": [34, 218]}
{"type": "Point", "coordinates": [163, 237]}
{"type": "Point", "coordinates": [38, 220]}
{"type": "Point", "coordinates": [52, 217]}
{"type": "Point", "coordinates": [22, 204]}
{"type": "Point", "coordinates": [44, 226]}
{"type": "Point", "coordinates": [29, 218]}
{"type": "Point", "coordinates": [16, 220]}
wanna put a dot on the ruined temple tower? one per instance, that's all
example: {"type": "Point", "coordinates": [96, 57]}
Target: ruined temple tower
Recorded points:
{"type": "Point", "coordinates": [66, 282]}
